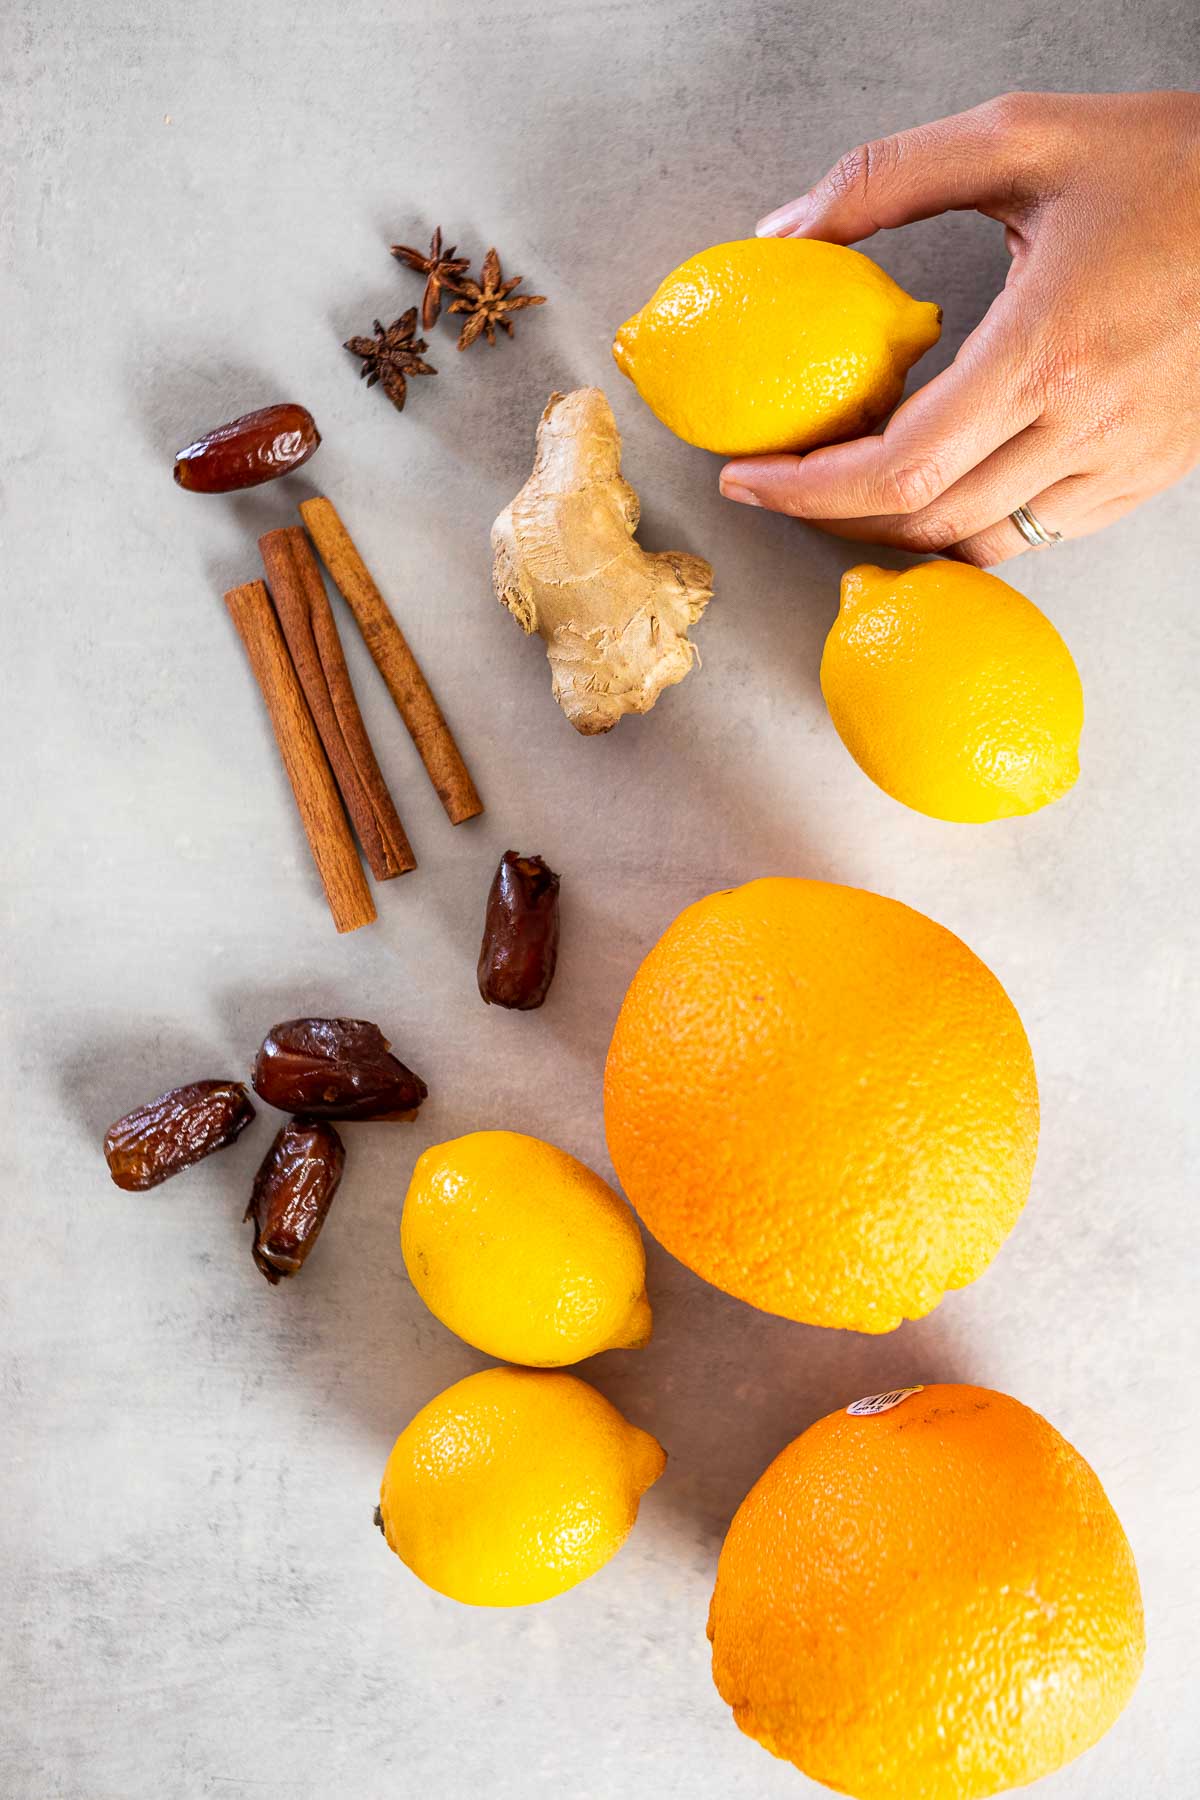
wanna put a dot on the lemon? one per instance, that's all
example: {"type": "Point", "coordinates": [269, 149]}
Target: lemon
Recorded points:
{"type": "Point", "coordinates": [952, 691]}
{"type": "Point", "coordinates": [514, 1485]}
{"type": "Point", "coordinates": [774, 344]}
{"type": "Point", "coordinates": [523, 1251]}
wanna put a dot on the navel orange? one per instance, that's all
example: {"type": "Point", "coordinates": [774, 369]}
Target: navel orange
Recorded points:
{"type": "Point", "coordinates": [822, 1102]}
{"type": "Point", "coordinates": [934, 1601]}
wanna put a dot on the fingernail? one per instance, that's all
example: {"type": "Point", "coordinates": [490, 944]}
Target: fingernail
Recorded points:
{"type": "Point", "coordinates": [745, 496]}
{"type": "Point", "coordinates": [785, 218]}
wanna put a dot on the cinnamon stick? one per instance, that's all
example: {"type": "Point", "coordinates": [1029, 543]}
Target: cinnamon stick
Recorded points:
{"type": "Point", "coordinates": [317, 797]}
{"type": "Point", "coordinates": [308, 625]}
{"type": "Point", "coordinates": [394, 660]}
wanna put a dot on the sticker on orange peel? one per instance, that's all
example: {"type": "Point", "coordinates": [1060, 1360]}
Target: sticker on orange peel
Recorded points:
{"type": "Point", "coordinates": [880, 1403]}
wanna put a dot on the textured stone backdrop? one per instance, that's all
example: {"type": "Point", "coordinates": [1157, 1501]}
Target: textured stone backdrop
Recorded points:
{"type": "Point", "coordinates": [195, 206]}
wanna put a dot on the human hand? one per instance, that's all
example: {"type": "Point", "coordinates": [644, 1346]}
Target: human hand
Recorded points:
{"type": "Point", "coordinates": [1078, 394]}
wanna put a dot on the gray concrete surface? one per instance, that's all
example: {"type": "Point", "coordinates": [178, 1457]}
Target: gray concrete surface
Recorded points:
{"type": "Point", "coordinates": [195, 208]}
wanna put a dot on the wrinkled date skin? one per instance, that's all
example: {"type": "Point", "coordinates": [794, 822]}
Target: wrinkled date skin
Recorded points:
{"type": "Point", "coordinates": [520, 934]}
{"type": "Point", "coordinates": [335, 1069]}
{"type": "Point", "coordinates": [292, 1194]}
{"type": "Point", "coordinates": [257, 447]}
{"type": "Point", "coordinates": [173, 1132]}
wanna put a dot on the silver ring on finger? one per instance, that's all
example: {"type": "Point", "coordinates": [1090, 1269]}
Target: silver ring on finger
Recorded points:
{"type": "Point", "coordinates": [1033, 531]}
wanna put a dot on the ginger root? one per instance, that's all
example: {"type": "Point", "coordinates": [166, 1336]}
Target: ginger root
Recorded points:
{"type": "Point", "coordinates": [566, 564]}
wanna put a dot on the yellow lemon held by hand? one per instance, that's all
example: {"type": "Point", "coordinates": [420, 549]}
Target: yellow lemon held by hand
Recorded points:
{"type": "Point", "coordinates": [774, 344]}
{"type": "Point", "coordinates": [822, 1102]}
{"type": "Point", "coordinates": [952, 691]}
{"type": "Point", "coordinates": [513, 1485]}
{"type": "Point", "coordinates": [935, 1601]}
{"type": "Point", "coordinates": [523, 1251]}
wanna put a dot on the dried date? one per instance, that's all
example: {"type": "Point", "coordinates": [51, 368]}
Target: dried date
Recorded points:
{"type": "Point", "coordinates": [292, 1194]}
{"type": "Point", "coordinates": [335, 1069]}
{"type": "Point", "coordinates": [246, 452]}
{"type": "Point", "coordinates": [520, 934]}
{"type": "Point", "coordinates": [173, 1132]}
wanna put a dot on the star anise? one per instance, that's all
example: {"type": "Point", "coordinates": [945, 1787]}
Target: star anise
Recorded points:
{"type": "Point", "coordinates": [442, 269]}
{"type": "Point", "coordinates": [391, 355]}
{"type": "Point", "coordinates": [489, 302]}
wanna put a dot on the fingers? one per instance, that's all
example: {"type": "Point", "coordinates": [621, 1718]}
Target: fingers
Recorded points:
{"type": "Point", "coordinates": [1029, 463]}
{"type": "Point", "coordinates": [973, 160]}
{"type": "Point", "coordinates": [1073, 505]}
{"type": "Point", "coordinates": [945, 430]}
{"type": "Point", "coordinates": [1069, 506]}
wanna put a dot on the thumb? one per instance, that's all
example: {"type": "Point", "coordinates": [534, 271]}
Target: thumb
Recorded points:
{"type": "Point", "coordinates": [978, 160]}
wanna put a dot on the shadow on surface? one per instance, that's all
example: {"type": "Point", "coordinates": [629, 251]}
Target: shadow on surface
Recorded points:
{"type": "Point", "coordinates": [175, 401]}
{"type": "Point", "coordinates": [719, 1438]}
{"type": "Point", "coordinates": [110, 1076]}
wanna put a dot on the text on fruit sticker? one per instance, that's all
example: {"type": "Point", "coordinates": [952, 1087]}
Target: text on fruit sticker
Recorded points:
{"type": "Point", "coordinates": [880, 1403]}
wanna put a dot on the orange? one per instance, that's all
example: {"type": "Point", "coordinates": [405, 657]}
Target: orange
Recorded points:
{"type": "Point", "coordinates": [822, 1102]}
{"type": "Point", "coordinates": [936, 1602]}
